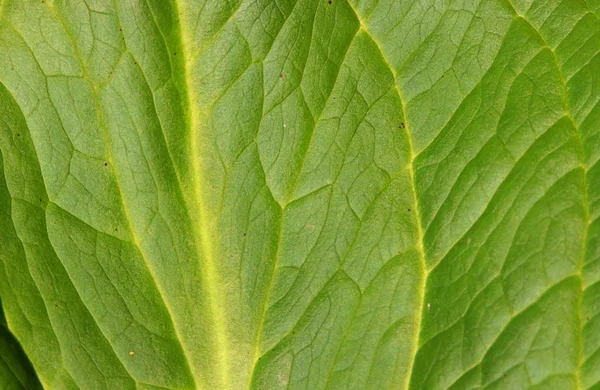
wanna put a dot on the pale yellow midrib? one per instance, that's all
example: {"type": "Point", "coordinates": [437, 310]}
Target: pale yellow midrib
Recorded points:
{"type": "Point", "coordinates": [205, 251]}
{"type": "Point", "coordinates": [200, 225]}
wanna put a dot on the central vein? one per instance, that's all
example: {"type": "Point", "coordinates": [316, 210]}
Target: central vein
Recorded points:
{"type": "Point", "coordinates": [201, 224]}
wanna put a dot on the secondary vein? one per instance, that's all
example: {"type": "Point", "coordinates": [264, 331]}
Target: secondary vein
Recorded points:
{"type": "Point", "coordinates": [419, 244]}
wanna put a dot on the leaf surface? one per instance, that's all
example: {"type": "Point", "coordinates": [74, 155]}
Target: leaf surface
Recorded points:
{"type": "Point", "coordinates": [16, 371]}
{"type": "Point", "coordinates": [302, 193]}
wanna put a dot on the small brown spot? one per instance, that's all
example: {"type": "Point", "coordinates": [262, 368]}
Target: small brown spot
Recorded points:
{"type": "Point", "coordinates": [116, 229]}
{"type": "Point", "coordinates": [18, 135]}
{"type": "Point", "coordinates": [175, 53]}
{"type": "Point", "coordinates": [280, 75]}
{"type": "Point", "coordinates": [244, 234]}
{"type": "Point", "coordinates": [408, 210]}
{"type": "Point", "coordinates": [329, 1]}
{"type": "Point", "coordinates": [402, 125]}
{"type": "Point", "coordinates": [105, 164]}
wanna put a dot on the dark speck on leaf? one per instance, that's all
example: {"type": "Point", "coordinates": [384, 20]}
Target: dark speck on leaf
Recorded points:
{"type": "Point", "coordinates": [329, 1]}
{"type": "Point", "coordinates": [18, 135]}
{"type": "Point", "coordinates": [175, 53]}
{"type": "Point", "coordinates": [402, 125]}
{"type": "Point", "coordinates": [409, 210]}
{"type": "Point", "coordinates": [244, 234]}
{"type": "Point", "coordinates": [105, 164]}
{"type": "Point", "coordinates": [280, 75]}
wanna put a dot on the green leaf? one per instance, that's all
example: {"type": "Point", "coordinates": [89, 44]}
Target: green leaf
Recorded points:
{"type": "Point", "coordinates": [305, 194]}
{"type": "Point", "coordinates": [16, 371]}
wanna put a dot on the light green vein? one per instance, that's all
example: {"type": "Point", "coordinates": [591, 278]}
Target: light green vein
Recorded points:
{"type": "Point", "coordinates": [46, 195]}
{"type": "Point", "coordinates": [128, 217]}
{"type": "Point", "coordinates": [586, 204]}
{"type": "Point", "coordinates": [513, 318]}
{"type": "Point", "coordinates": [200, 225]}
{"type": "Point", "coordinates": [21, 243]}
{"type": "Point", "coordinates": [411, 173]}
{"type": "Point", "coordinates": [290, 199]}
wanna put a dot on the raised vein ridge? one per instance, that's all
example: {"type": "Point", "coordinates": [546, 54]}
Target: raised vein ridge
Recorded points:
{"type": "Point", "coordinates": [200, 224]}
{"type": "Point", "coordinates": [419, 243]}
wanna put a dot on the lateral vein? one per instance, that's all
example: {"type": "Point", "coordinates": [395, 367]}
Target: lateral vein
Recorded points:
{"type": "Point", "coordinates": [410, 169]}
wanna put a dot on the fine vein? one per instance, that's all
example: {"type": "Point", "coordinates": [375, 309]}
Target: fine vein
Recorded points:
{"type": "Point", "coordinates": [419, 243]}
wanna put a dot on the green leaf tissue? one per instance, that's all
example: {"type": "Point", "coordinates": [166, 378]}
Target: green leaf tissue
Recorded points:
{"type": "Point", "coordinates": [299, 194]}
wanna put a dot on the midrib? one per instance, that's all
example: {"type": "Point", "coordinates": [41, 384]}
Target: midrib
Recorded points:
{"type": "Point", "coordinates": [199, 221]}
{"type": "Point", "coordinates": [201, 224]}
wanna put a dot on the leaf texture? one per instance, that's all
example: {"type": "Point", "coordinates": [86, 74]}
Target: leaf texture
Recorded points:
{"type": "Point", "coordinates": [16, 371]}
{"type": "Point", "coordinates": [304, 194]}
